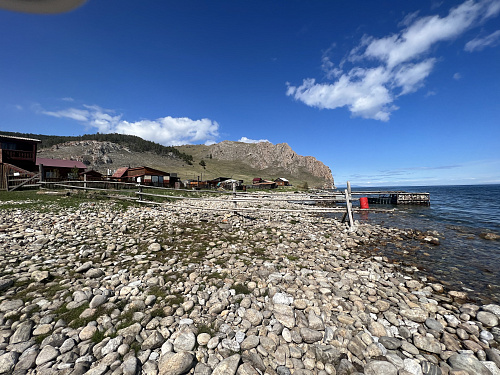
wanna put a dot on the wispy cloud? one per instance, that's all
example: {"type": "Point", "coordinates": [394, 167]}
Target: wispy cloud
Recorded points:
{"type": "Point", "coordinates": [478, 44]}
{"type": "Point", "coordinates": [386, 68]}
{"type": "Point", "coordinates": [166, 130]}
{"type": "Point", "coordinates": [248, 140]}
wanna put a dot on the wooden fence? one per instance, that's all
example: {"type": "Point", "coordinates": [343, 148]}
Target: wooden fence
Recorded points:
{"type": "Point", "coordinates": [228, 201]}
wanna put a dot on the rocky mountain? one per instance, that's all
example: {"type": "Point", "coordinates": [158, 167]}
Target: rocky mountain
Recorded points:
{"type": "Point", "coordinates": [264, 155]}
{"type": "Point", "coordinates": [230, 159]}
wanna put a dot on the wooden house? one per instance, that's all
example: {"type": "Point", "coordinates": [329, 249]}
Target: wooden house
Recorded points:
{"type": "Point", "coordinates": [146, 176]}
{"type": "Point", "coordinates": [282, 182]}
{"type": "Point", "coordinates": [17, 161]}
{"type": "Point", "coordinates": [59, 169]}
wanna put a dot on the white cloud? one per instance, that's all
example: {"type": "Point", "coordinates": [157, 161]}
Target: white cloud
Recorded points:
{"type": "Point", "coordinates": [248, 140]}
{"type": "Point", "coordinates": [457, 76]}
{"type": "Point", "coordinates": [399, 65]}
{"type": "Point", "coordinates": [478, 44]}
{"type": "Point", "coordinates": [166, 130]}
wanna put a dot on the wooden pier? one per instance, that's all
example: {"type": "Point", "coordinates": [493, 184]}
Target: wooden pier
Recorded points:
{"type": "Point", "coordinates": [395, 197]}
{"type": "Point", "coordinates": [379, 197]}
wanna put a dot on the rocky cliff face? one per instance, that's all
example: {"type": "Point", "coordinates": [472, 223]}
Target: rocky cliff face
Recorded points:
{"type": "Point", "coordinates": [266, 155]}
{"type": "Point", "coordinates": [91, 153]}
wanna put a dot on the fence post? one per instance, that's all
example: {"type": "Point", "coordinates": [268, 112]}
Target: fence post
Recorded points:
{"type": "Point", "coordinates": [234, 197]}
{"type": "Point", "coordinates": [348, 204]}
{"type": "Point", "coordinates": [140, 191]}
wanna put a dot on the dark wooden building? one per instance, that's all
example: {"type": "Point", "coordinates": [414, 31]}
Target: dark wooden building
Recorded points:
{"type": "Point", "coordinates": [146, 176]}
{"type": "Point", "coordinates": [17, 161]}
{"type": "Point", "coordinates": [60, 169]}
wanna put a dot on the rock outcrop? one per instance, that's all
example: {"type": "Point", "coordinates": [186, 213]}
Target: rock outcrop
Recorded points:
{"type": "Point", "coordinates": [264, 155]}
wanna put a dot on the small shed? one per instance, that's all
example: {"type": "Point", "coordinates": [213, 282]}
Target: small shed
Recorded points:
{"type": "Point", "coordinates": [91, 175]}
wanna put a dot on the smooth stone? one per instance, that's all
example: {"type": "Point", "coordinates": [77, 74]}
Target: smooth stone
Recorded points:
{"type": "Point", "coordinates": [468, 363]}
{"type": "Point", "coordinates": [493, 355]}
{"type": "Point", "coordinates": [282, 298]}
{"type": "Point", "coordinates": [412, 367]}
{"type": "Point", "coordinates": [47, 354]}
{"type": "Point", "coordinates": [202, 369]}
{"type": "Point", "coordinates": [11, 305]}
{"type": "Point", "coordinates": [429, 344]}
{"type": "Point", "coordinates": [94, 273]}
{"type": "Point", "coordinates": [282, 370]}
{"type": "Point", "coordinates": [390, 343]}
{"type": "Point", "coordinates": [255, 317]}
{"type": "Point", "coordinates": [8, 362]}
{"type": "Point", "coordinates": [203, 339]}
{"type": "Point", "coordinates": [6, 284]}
{"type": "Point", "coordinates": [175, 363]}
{"type": "Point", "coordinates": [40, 276]}
{"type": "Point", "coordinates": [130, 365]}
{"type": "Point", "coordinates": [154, 341]}
{"type": "Point", "coordinates": [228, 366]}
{"type": "Point", "coordinates": [310, 336]}
{"type": "Point", "coordinates": [250, 342]}
{"type": "Point", "coordinates": [27, 359]}
{"type": "Point", "coordinates": [380, 368]}
{"type": "Point", "coordinates": [87, 332]}
{"type": "Point", "coordinates": [487, 318]}
{"type": "Point", "coordinates": [430, 369]}
{"type": "Point", "coordinates": [97, 301]}
{"type": "Point", "coordinates": [22, 333]}
{"type": "Point", "coordinates": [434, 324]}
{"type": "Point", "coordinates": [185, 342]}
{"type": "Point", "coordinates": [415, 315]}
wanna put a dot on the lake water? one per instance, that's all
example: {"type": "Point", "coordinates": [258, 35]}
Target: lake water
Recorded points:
{"type": "Point", "coordinates": [460, 214]}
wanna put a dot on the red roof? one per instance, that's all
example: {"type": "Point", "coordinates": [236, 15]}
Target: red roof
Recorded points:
{"type": "Point", "coordinates": [120, 172]}
{"type": "Point", "coordinates": [60, 163]}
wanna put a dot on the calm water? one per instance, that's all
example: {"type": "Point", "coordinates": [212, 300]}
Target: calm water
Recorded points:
{"type": "Point", "coordinates": [460, 214]}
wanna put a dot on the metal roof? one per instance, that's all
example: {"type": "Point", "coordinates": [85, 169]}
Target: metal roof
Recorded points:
{"type": "Point", "coordinates": [120, 172]}
{"type": "Point", "coordinates": [60, 163]}
{"type": "Point", "coordinates": [19, 138]}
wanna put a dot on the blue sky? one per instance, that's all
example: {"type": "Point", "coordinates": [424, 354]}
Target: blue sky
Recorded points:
{"type": "Point", "coordinates": [383, 92]}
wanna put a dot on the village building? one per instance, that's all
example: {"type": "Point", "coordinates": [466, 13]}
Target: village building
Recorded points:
{"type": "Point", "coordinates": [17, 161]}
{"type": "Point", "coordinates": [91, 175]}
{"type": "Point", "coordinates": [259, 183]}
{"type": "Point", "coordinates": [146, 176]}
{"type": "Point", "coordinates": [52, 170]}
{"type": "Point", "coordinates": [19, 152]}
{"type": "Point", "coordinates": [281, 181]}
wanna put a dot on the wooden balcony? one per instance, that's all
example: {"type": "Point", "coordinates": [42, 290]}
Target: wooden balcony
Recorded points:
{"type": "Point", "coordinates": [18, 155]}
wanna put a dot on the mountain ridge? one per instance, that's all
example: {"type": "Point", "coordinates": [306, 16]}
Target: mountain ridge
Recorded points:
{"type": "Point", "coordinates": [230, 159]}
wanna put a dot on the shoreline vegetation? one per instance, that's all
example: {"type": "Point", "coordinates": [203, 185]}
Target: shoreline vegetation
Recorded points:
{"type": "Point", "coordinates": [96, 286]}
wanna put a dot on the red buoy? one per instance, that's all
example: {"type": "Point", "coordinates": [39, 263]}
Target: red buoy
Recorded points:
{"type": "Point", "coordinates": [363, 202]}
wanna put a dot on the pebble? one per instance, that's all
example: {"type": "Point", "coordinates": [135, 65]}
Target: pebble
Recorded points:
{"type": "Point", "coordinates": [176, 292]}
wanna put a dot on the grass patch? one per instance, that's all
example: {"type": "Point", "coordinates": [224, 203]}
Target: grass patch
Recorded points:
{"type": "Point", "coordinates": [203, 328]}
{"type": "Point", "coordinates": [39, 339]}
{"type": "Point", "coordinates": [157, 291]}
{"type": "Point", "coordinates": [176, 299]}
{"type": "Point", "coordinates": [241, 289]}
{"type": "Point", "coordinates": [292, 257]}
{"type": "Point", "coordinates": [97, 337]}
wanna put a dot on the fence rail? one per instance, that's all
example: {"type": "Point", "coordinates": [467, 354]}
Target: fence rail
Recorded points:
{"type": "Point", "coordinates": [236, 201]}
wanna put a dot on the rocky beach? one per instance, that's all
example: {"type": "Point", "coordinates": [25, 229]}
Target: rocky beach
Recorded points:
{"type": "Point", "coordinates": [98, 288]}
